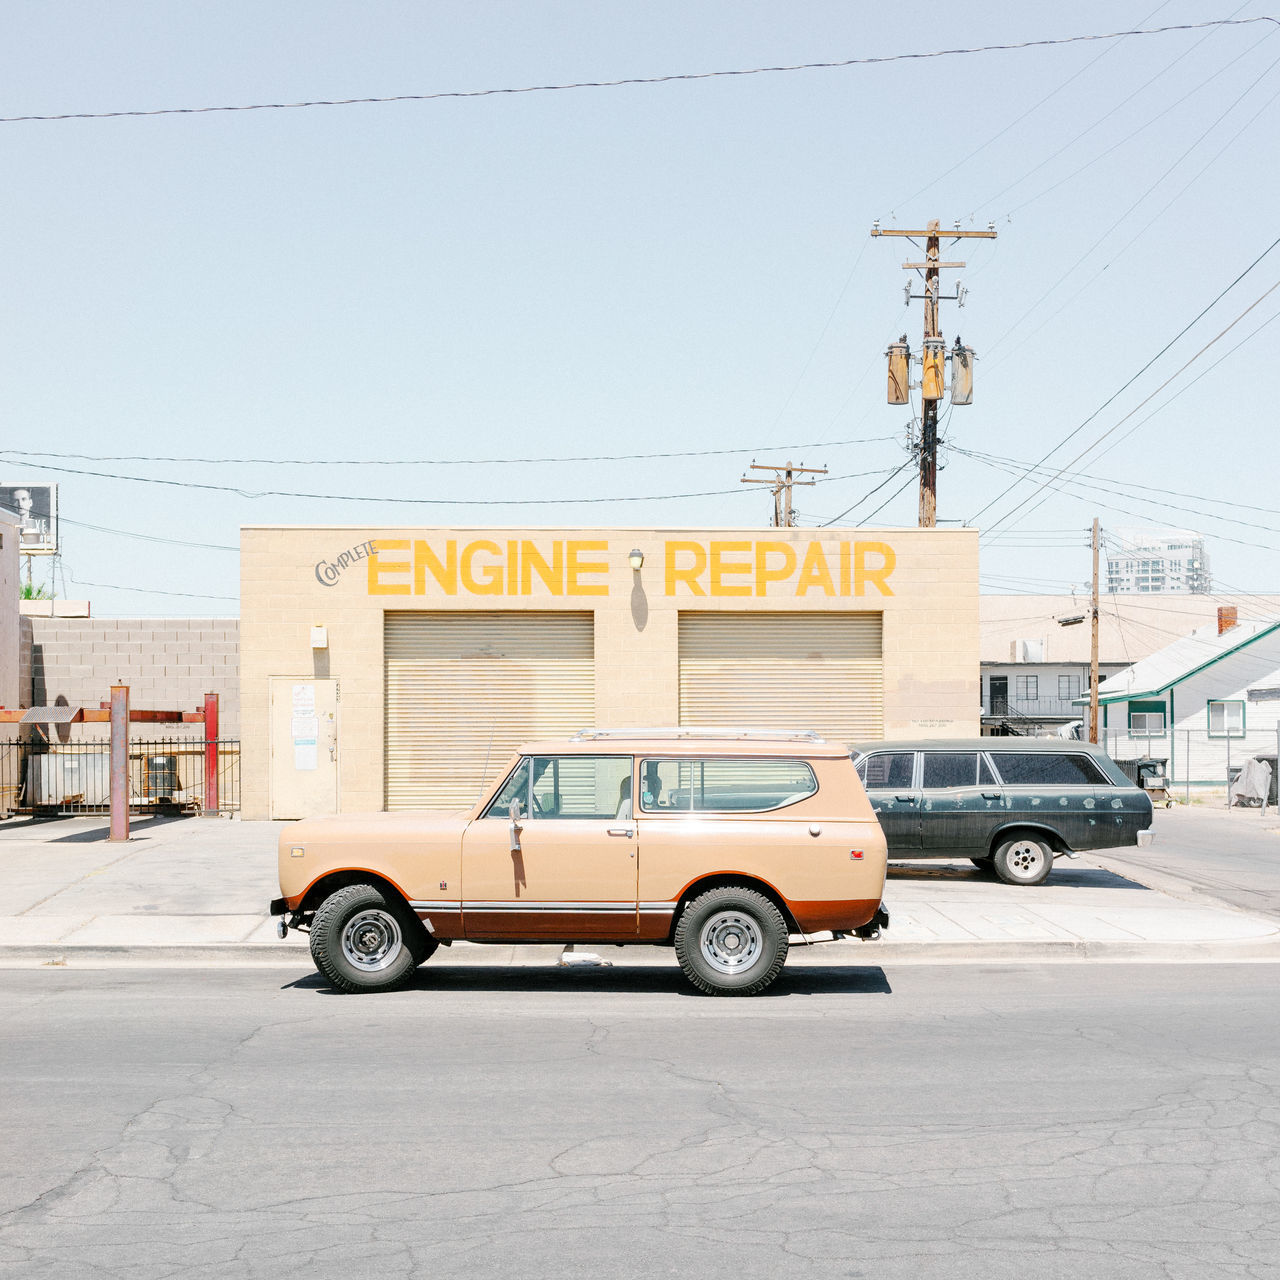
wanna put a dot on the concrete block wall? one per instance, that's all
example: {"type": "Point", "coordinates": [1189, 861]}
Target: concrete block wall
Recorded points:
{"type": "Point", "coordinates": [169, 664]}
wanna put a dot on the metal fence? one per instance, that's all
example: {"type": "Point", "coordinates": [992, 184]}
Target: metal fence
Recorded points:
{"type": "Point", "coordinates": [165, 775]}
{"type": "Point", "coordinates": [1193, 757]}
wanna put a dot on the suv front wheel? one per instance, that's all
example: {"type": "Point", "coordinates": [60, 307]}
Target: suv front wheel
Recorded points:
{"type": "Point", "coordinates": [731, 942]}
{"type": "Point", "coordinates": [365, 940]}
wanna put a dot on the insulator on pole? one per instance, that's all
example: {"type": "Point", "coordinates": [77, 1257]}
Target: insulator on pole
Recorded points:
{"type": "Point", "coordinates": [962, 359]}
{"type": "Point", "coordinates": [932, 376]}
{"type": "Point", "coordinates": [899, 371]}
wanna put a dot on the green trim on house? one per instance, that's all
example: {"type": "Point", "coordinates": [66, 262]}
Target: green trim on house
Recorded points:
{"type": "Point", "coordinates": [1208, 717]}
{"type": "Point", "coordinates": [1149, 707]}
{"type": "Point", "coordinates": [1186, 675]}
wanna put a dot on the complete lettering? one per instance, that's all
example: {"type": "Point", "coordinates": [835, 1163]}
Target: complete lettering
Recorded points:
{"type": "Point", "coordinates": [329, 571]}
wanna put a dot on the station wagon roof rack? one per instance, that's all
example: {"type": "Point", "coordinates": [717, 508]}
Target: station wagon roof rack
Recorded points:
{"type": "Point", "coordinates": [699, 733]}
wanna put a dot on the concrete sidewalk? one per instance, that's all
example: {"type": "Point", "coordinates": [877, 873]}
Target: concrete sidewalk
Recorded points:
{"type": "Point", "coordinates": [195, 890]}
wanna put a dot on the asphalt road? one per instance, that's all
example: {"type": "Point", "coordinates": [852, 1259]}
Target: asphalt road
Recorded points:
{"type": "Point", "coordinates": [1221, 857]}
{"type": "Point", "coordinates": [1057, 1121]}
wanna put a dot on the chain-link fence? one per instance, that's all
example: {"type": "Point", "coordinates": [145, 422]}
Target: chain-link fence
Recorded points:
{"type": "Point", "coordinates": [1193, 758]}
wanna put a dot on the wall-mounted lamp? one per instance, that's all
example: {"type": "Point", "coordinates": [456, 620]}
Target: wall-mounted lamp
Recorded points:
{"type": "Point", "coordinates": [319, 637]}
{"type": "Point", "coordinates": [636, 559]}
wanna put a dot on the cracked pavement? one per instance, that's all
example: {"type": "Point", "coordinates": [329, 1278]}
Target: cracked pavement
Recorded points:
{"type": "Point", "coordinates": [1041, 1121]}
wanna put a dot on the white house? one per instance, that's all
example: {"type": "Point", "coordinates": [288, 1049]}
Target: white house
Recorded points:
{"type": "Point", "coordinates": [1203, 703]}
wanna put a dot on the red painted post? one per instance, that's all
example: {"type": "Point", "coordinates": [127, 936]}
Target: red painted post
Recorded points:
{"type": "Point", "coordinates": [211, 754]}
{"type": "Point", "coordinates": [119, 762]}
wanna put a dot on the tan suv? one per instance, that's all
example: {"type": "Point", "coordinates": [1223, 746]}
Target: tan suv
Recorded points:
{"type": "Point", "coordinates": [721, 844]}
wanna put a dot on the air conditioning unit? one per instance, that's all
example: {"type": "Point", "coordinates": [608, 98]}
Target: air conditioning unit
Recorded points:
{"type": "Point", "coordinates": [160, 778]}
{"type": "Point", "coordinates": [60, 778]}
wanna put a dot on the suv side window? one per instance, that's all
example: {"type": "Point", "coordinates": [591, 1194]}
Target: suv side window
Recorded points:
{"type": "Point", "coordinates": [724, 786]}
{"type": "Point", "coordinates": [580, 787]}
{"type": "Point", "coordinates": [887, 769]}
{"type": "Point", "coordinates": [590, 787]}
{"type": "Point", "coordinates": [1051, 769]}
{"type": "Point", "coordinates": [515, 788]}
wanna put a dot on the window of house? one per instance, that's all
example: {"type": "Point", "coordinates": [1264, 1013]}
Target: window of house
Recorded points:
{"type": "Point", "coordinates": [1226, 719]}
{"type": "Point", "coordinates": [1068, 688]}
{"type": "Point", "coordinates": [1146, 718]}
{"type": "Point", "coordinates": [1027, 688]}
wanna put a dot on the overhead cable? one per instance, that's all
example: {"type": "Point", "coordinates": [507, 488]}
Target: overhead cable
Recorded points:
{"type": "Point", "coordinates": [639, 80]}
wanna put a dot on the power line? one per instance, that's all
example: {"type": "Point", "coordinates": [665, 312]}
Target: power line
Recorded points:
{"type": "Point", "coordinates": [638, 80]}
{"type": "Point", "coordinates": [1066, 146]}
{"type": "Point", "coordinates": [1130, 381]}
{"type": "Point", "coordinates": [896, 471]}
{"type": "Point", "coordinates": [437, 462]}
{"type": "Point", "coordinates": [428, 502]}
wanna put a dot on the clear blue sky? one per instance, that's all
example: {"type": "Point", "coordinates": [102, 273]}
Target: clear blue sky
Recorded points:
{"type": "Point", "coordinates": [627, 270]}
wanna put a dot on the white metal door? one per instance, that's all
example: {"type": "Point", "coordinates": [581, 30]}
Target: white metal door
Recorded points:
{"type": "Point", "coordinates": [304, 747]}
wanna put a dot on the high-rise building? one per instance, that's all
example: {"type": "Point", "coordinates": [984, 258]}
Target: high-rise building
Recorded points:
{"type": "Point", "coordinates": [1151, 560]}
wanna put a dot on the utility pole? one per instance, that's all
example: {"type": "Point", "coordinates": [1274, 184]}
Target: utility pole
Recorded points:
{"type": "Point", "coordinates": [1093, 643]}
{"type": "Point", "coordinates": [933, 356]}
{"type": "Point", "coordinates": [782, 482]}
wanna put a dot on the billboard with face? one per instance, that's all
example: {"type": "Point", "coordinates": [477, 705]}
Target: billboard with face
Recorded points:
{"type": "Point", "coordinates": [35, 509]}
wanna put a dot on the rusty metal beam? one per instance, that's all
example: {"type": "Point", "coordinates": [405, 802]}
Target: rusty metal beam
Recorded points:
{"type": "Point", "coordinates": [119, 762]}
{"type": "Point", "coordinates": [210, 754]}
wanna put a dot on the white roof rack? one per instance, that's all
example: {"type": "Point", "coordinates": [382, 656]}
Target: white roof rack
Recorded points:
{"type": "Point", "coordinates": [670, 731]}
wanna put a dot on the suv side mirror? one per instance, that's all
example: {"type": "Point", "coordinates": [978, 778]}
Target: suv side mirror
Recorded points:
{"type": "Point", "coordinates": [513, 811]}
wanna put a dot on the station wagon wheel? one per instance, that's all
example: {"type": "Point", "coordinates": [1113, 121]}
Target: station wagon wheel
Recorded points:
{"type": "Point", "coordinates": [365, 940]}
{"type": "Point", "coordinates": [731, 941]}
{"type": "Point", "coordinates": [1025, 859]}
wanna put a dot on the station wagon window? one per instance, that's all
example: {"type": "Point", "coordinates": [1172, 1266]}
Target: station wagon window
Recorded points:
{"type": "Point", "coordinates": [583, 787]}
{"type": "Point", "coordinates": [950, 769]}
{"type": "Point", "coordinates": [1048, 769]}
{"type": "Point", "coordinates": [887, 769]}
{"type": "Point", "coordinates": [725, 786]}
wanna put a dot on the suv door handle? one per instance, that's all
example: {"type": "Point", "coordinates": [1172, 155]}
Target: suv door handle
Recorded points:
{"type": "Point", "coordinates": [991, 795]}
{"type": "Point", "coordinates": [621, 831]}
{"type": "Point", "coordinates": [906, 799]}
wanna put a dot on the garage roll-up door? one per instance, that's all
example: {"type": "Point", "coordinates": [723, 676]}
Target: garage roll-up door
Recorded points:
{"type": "Point", "coordinates": [822, 671]}
{"type": "Point", "coordinates": [463, 688]}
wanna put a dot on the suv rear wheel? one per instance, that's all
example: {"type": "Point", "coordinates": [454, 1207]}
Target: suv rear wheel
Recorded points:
{"type": "Point", "coordinates": [731, 942]}
{"type": "Point", "coordinates": [365, 940]}
{"type": "Point", "coordinates": [1023, 860]}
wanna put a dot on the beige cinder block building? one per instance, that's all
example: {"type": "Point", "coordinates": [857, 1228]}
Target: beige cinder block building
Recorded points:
{"type": "Point", "coordinates": [399, 668]}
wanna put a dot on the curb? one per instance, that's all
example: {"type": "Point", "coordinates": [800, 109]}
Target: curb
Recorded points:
{"type": "Point", "coordinates": [852, 955]}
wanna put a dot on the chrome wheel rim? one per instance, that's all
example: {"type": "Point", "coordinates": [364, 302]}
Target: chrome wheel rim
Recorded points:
{"type": "Point", "coordinates": [371, 940]}
{"type": "Point", "coordinates": [1025, 859]}
{"type": "Point", "coordinates": [731, 942]}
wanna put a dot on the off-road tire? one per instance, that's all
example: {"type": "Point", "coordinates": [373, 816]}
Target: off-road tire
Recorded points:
{"type": "Point", "coordinates": [731, 942]}
{"type": "Point", "coordinates": [1024, 859]}
{"type": "Point", "coordinates": [365, 940]}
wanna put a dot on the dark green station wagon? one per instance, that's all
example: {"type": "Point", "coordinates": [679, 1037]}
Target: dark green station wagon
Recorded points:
{"type": "Point", "coordinates": [1008, 804]}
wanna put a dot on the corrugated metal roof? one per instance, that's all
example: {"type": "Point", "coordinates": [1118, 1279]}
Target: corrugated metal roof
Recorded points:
{"type": "Point", "coordinates": [1184, 657]}
{"type": "Point", "coordinates": [52, 715]}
